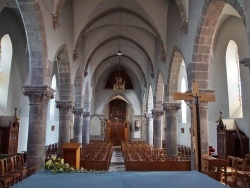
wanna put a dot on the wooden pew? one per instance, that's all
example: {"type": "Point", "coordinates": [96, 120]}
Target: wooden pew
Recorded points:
{"type": "Point", "coordinates": [96, 155]}
{"type": "Point", "coordinates": [168, 165]}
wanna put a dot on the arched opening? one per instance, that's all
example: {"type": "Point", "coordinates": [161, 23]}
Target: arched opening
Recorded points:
{"type": "Point", "coordinates": [183, 103]}
{"type": "Point", "coordinates": [116, 76]}
{"type": "Point", "coordinates": [117, 127]}
{"type": "Point", "coordinates": [52, 101]}
{"type": "Point", "coordinates": [6, 52]}
{"type": "Point", "coordinates": [159, 92]}
{"type": "Point", "coordinates": [233, 80]}
{"type": "Point", "coordinates": [150, 100]}
{"type": "Point", "coordinates": [52, 130]}
{"type": "Point", "coordinates": [183, 114]}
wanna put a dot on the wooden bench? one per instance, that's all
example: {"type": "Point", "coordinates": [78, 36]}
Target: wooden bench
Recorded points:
{"type": "Point", "coordinates": [96, 155]}
{"type": "Point", "coordinates": [158, 165]}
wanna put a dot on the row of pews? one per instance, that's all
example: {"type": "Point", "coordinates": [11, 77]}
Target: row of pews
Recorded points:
{"type": "Point", "coordinates": [13, 169]}
{"type": "Point", "coordinates": [96, 155]}
{"type": "Point", "coordinates": [51, 149]}
{"type": "Point", "coordinates": [140, 157]}
{"type": "Point", "coordinates": [184, 152]}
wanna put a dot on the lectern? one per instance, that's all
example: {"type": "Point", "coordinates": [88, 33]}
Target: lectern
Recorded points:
{"type": "Point", "coordinates": [71, 154]}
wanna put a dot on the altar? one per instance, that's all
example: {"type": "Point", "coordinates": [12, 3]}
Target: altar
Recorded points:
{"type": "Point", "coordinates": [165, 179]}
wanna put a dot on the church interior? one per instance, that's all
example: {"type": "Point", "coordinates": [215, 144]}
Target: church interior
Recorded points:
{"type": "Point", "coordinates": [152, 86]}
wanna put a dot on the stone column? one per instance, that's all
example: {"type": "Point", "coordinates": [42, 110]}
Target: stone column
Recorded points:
{"type": "Point", "coordinates": [39, 97]}
{"type": "Point", "coordinates": [150, 131]}
{"type": "Point", "coordinates": [78, 120]}
{"type": "Point", "coordinates": [157, 127]}
{"type": "Point", "coordinates": [171, 113]}
{"type": "Point", "coordinates": [204, 123]}
{"type": "Point", "coordinates": [65, 109]}
{"type": "Point", "coordinates": [86, 128]}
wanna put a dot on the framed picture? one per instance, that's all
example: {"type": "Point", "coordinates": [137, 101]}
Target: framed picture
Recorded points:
{"type": "Point", "coordinates": [182, 130]}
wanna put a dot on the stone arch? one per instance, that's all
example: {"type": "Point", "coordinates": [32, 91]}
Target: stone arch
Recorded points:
{"type": "Point", "coordinates": [198, 69]}
{"type": "Point", "coordinates": [36, 40]}
{"type": "Point", "coordinates": [114, 10]}
{"type": "Point", "coordinates": [183, 8]}
{"type": "Point", "coordinates": [78, 89]}
{"type": "Point", "coordinates": [173, 74]}
{"type": "Point", "coordinates": [121, 95]}
{"type": "Point", "coordinates": [159, 92]}
{"type": "Point", "coordinates": [115, 38]}
{"type": "Point", "coordinates": [63, 65]}
{"type": "Point", "coordinates": [113, 56]}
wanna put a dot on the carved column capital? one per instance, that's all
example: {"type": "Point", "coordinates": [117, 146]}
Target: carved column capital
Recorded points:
{"type": "Point", "coordinates": [64, 107]}
{"type": "Point", "coordinates": [78, 111]}
{"type": "Point", "coordinates": [148, 115]}
{"type": "Point", "coordinates": [86, 114]}
{"type": "Point", "coordinates": [157, 113]}
{"type": "Point", "coordinates": [171, 107]}
{"type": "Point", "coordinates": [38, 94]}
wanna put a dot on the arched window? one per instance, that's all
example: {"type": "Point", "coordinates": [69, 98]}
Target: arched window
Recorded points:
{"type": "Point", "coordinates": [6, 53]}
{"type": "Point", "coordinates": [182, 87]}
{"type": "Point", "coordinates": [183, 103]}
{"type": "Point", "coordinates": [52, 101]}
{"type": "Point", "coordinates": [233, 81]}
{"type": "Point", "coordinates": [150, 100]}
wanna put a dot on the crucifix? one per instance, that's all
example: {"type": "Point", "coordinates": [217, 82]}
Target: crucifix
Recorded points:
{"type": "Point", "coordinates": [196, 97]}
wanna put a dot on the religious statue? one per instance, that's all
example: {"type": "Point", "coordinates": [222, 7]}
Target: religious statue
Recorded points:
{"type": "Point", "coordinates": [137, 125]}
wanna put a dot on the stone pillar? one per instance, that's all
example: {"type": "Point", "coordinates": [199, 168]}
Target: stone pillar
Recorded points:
{"type": "Point", "coordinates": [171, 113]}
{"type": "Point", "coordinates": [78, 120]}
{"type": "Point", "coordinates": [39, 97]}
{"type": "Point", "coordinates": [157, 127]}
{"type": "Point", "coordinates": [65, 109]}
{"type": "Point", "coordinates": [204, 123]}
{"type": "Point", "coordinates": [86, 128]}
{"type": "Point", "coordinates": [150, 131]}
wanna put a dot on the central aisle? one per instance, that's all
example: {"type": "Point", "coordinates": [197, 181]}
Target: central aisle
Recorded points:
{"type": "Point", "coordinates": [117, 161]}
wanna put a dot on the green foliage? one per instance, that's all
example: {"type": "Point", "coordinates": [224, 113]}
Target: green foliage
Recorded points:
{"type": "Point", "coordinates": [57, 165]}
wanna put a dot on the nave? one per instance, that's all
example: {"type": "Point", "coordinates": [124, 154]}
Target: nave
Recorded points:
{"type": "Point", "coordinates": [117, 161]}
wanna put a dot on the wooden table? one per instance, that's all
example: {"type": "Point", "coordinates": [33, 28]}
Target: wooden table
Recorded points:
{"type": "Point", "coordinates": [212, 167]}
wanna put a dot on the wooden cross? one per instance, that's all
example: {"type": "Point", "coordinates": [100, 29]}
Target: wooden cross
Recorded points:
{"type": "Point", "coordinates": [196, 97]}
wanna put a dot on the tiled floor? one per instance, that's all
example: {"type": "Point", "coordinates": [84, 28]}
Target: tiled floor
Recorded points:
{"type": "Point", "coordinates": [117, 162]}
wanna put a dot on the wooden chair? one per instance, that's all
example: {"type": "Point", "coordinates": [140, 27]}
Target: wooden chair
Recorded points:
{"type": "Point", "coordinates": [241, 172]}
{"type": "Point", "coordinates": [231, 165]}
{"type": "Point", "coordinates": [21, 167]}
{"type": "Point", "coordinates": [11, 169]}
{"type": "Point", "coordinates": [4, 179]}
{"type": "Point", "coordinates": [31, 169]}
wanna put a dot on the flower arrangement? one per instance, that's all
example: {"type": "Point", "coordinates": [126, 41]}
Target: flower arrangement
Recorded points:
{"type": "Point", "coordinates": [57, 165]}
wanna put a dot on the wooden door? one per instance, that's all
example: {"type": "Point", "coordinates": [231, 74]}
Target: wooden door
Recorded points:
{"type": "Point", "coordinates": [117, 133]}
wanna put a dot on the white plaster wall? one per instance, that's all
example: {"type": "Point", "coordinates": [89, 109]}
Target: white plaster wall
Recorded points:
{"type": "Point", "coordinates": [19, 74]}
{"type": "Point", "coordinates": [229, 30]}
{"type": "Point", "coordinates": [184, 138]}
{"type": "Point", "coordinates": [175, 37]}
{"type": "Point", "coordinates": [55, 38]}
